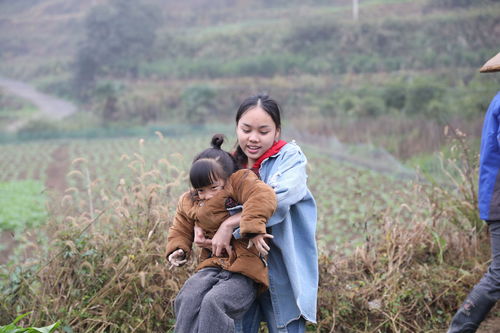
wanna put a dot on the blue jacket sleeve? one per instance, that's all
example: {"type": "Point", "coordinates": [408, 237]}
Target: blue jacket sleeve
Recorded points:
{"type": "Point", "coordinates": [496, 112]}
{"type": "Point", "coordinates": [289, 182]}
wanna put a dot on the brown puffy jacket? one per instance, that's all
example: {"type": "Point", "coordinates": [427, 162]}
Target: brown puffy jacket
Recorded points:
{"type": "Point", "coordinates": [259, 203]}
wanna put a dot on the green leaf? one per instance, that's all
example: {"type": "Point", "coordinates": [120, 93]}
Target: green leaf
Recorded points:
{"type": "Point", "coordinates": [21, 317]}
{"type": "Point", "coordinates": [46, 329]}
{"type": "Point", "coordinates": [8, 328]}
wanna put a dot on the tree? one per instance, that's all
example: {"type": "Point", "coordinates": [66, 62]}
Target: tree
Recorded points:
{"type": "Point", "coordinates": [198, 102]}
{"type": "Point", "coordinates": [118, 36]}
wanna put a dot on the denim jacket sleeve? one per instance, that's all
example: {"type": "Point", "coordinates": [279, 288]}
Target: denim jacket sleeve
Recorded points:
{"type": "Point", "coordinates": [289, 182]}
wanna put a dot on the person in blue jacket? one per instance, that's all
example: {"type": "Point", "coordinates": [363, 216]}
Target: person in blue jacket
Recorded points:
{"type": "Point", "coordinates": [486, 292]}
{"type": "Point", "coordinates": [293, 258]}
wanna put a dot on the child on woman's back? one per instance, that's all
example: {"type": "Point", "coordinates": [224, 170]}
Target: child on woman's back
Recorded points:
{"type": "Point", "coordinates": [225, 286]}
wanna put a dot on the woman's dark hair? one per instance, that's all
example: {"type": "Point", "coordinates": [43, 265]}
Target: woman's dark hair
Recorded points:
{"type": "Point", "coordinates": [212, 164]}
{"type": "Point", "coordinates": [269, 105]}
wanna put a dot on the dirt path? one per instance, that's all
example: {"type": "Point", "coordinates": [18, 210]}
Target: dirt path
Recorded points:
{"type": "Point", "coordinates": [56, 172]}
{"type": "Point", "coordinates": [49, 106]}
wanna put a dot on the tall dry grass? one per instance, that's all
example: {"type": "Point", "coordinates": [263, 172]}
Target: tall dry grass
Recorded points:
{"type": "Point", "coordinates": [105, 270]}
{"type": "Point", "coordinates": [416, 273]}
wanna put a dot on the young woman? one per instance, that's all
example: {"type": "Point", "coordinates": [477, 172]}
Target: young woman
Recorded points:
{"type": "Point", "coordinates": [226, 284]}
{"type": "Point", "coordinates": [293, 259]}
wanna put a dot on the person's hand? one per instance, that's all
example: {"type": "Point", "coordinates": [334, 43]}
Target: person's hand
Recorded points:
{"type": "Point", "coordinates": [222, 240]}
{"type": "Point", "coordinates": [260, 244]}
{"type": "Point", "coordinates": [200, 240]}
{"type": "Point", "coordinates": [177, 258]}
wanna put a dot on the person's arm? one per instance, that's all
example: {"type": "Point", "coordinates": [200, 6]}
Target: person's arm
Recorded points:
{"type": "Point", "coordinates": [181, 233]}
{"type": "Point", "coordinates": [222, 238]}
{"type": "Point", "coordinates": [290, 186]}
{"type": "Point", "coordinates": [258, 199]}
{"type": "Point", "coordinates": [289, 183]}
{"type": "Point", "coordinates": [495, 105]}
{"type": "Point", "coordinates": [200, 240]}
{"type": "Point", "coordinates": [259, 203]}
{"type": "Point", "coordinates": [260, 244]}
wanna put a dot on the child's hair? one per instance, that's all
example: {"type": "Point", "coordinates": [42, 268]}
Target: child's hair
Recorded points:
{"type": "Point", "coordinates": [269, 105]}
{"type": "Point", "coordinates": [212, 164]}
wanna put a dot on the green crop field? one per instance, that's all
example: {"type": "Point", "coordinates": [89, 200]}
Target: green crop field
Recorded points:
{"type": "Point", "coordinates": [349, 198]}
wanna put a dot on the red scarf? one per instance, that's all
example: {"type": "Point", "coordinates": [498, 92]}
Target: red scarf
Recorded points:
{"type": "Point", "coordinates": [275, 148]}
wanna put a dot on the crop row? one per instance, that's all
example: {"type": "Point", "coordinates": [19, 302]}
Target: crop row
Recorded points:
{"type": "Point", "coordinates": [350, 199]}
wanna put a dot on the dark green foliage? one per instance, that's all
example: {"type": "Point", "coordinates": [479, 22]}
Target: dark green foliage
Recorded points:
{"type": "Point", "coordinates": [457, 3]}
{"type": "Point", "coordinates": [118, 36]}
{"type": "Point", "coordinates": [394, 95]}
{"type": "Point", "coordinates": [40, 128]}
{"type": "Point", "coordinates": [198, 103]}
{"type": "Point", "coordinates": [325, 45]}
{"type": "Point", "coordinates": [420, 95]}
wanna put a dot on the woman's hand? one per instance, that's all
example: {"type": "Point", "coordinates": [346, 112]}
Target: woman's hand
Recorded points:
{"type": "Point", "coordinates": [200, 240]}
{"type": "Point", "coordinates": [177, 258]}
{"type": "Point", "coordinates": [260, 244]}
{"type": "Point", "coordinates": [222, 238]}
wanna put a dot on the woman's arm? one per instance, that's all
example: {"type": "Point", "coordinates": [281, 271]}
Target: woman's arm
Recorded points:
{"type": "Point", "coordinates": [222, 238]}
{"type": "Point", "coordinates": [258, 199]}
{"type": "Point", "coordinates": [289, 182]}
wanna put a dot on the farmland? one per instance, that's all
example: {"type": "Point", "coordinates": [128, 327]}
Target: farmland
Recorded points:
{"type": "Point", "coordinates": [349, 197]}
{"type": "Point", "coordinates": [110, 201]}
{"type": "Point", "coordinates": [86, 201]}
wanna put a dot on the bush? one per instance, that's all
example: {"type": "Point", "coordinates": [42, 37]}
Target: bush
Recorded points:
{"type": "Point", "coordinates": [420, 94]}
{"type": "Point", "coordinates": [38, 129]}
{"type": "Point", "coordinates": [198, 103]}
{"type": "Point", "coordinates": [394, 96]}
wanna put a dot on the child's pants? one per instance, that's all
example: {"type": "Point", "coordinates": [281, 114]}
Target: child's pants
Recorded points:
{"type": "Point", "coordinates": [211, 300]}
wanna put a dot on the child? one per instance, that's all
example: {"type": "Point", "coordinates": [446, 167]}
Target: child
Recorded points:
{"type": "Point", "coordinates": [224, 287]}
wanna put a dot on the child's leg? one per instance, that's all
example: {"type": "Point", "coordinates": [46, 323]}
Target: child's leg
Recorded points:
{"type": "Point", "coordinates": [188, 301]}
{"type": "Point", "coordinates": [228, 300]}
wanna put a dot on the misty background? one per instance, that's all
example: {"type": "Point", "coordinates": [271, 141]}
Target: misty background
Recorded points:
{"type": "Point", "coordinates": [386, 73]}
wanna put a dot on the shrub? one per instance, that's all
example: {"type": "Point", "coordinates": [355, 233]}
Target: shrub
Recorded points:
{"type": "Point", "coordinates": [38, 129]}
{"type": "Point", "coordinates": [198, 103]}
{"type": "Point", "coordinates": [13, 328]}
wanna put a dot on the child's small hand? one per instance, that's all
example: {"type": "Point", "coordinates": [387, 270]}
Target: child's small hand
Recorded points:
{"type": "Point", "coordinates": [200, 240]}
{"type": "Point", "coordinates": [177, 258]}
{"type": "Point", "coordinates": [260, 244]}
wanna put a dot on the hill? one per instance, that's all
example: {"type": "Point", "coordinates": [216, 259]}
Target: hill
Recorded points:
{"type": "Point", "coordinates": [403, 63]}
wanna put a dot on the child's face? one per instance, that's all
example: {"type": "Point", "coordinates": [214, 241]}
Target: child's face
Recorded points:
{"type": "Point", "coordinates": [206, 192]}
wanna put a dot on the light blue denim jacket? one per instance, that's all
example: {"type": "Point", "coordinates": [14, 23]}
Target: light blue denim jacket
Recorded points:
{"type": "Point", "coordinates": [293, 258]}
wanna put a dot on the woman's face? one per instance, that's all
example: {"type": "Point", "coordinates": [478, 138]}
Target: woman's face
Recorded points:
{"type": "Point", "coordinates": [256, 133]}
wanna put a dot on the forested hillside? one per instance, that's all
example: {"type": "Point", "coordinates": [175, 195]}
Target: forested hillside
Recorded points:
{"type": "Point", "coordinates": [407, 63]}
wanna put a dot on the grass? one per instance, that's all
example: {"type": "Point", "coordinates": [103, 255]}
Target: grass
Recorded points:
{"type": "Point", "coordinates": [22, 205]}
